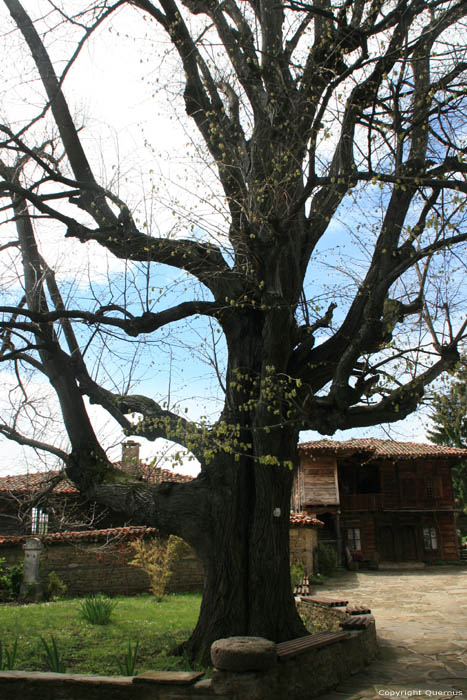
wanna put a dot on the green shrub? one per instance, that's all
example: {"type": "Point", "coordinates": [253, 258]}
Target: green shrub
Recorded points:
{"type": "Point", "coordinates": [97, 610]}
{"type": "Point", "coordinates": [325, 559]}
{"type": "Point", "coordinates": [55, 587]}
{"type": "Point", "coordinates": [156, 557]}
{"type": "Point", "coordinates": [10, 580]}
{"type": "Point", "coordinates": [4, 580]}
{"type": "Point", "coordinates": [297, 573]}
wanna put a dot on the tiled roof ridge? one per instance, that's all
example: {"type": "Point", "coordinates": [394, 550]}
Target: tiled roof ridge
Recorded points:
{"type": "Point", "coordinates": [379, 447]}
{"type": "Point", "coordinates": [23, 483]}
{"type": "Point", "coordinates": [155, 474]}
{"type": "Point", "coordinates": [111, 533]}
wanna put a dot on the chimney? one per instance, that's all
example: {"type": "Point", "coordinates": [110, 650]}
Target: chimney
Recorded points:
{"type": "Point", "coordinates": [130, 457]}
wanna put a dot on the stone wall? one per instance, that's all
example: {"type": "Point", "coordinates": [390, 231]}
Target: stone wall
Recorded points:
{"type": "Point", "coordinates": [303, 542]}
{"type": "Point", "coordinates": [101, 566]}
{"type": "Point", "coordinates": [300, 678]}
{"type": "Point", "coordinates": [85, 569]}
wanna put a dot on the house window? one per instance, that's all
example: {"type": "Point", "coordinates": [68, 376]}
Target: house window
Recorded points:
{"type": "Point", "coordinates": [430, 538]}
{"type": "Point", "coordinates": [39, 522]}
{"type": "Point", "coordinates": [429, 488]}
{"type": "Point", "coordinates": [353, 539]}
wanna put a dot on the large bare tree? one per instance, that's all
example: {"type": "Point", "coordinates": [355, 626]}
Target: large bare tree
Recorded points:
{"type": "Point", "coordinates": [308, 111]}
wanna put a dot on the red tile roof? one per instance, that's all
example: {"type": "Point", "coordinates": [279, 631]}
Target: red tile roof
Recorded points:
{"type": "Point", "coordinates": [114, 534]}
{"type": "Point", "coordinates": [25, 483]}
{"type": "Point", "coordinates": [304, 520]}
{"type": "Point", "coordinates": [154, 475]}
{"type": "Point", "coordinates": [379, 449]}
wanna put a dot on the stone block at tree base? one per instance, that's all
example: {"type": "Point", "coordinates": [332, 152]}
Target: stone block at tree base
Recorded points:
{"type": "Point", "coordinates": [243, 654]}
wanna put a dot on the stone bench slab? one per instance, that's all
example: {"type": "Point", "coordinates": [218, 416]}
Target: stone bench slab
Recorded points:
{"type": "Point", "coordinates": [169, 677]}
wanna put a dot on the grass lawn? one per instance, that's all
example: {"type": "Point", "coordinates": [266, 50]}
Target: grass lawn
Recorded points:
{"type": "Point", "coordinates": [87, 648]}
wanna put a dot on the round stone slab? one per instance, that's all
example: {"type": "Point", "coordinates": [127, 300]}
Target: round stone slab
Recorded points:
{"type": "Point", "coordinates": [243, 654]}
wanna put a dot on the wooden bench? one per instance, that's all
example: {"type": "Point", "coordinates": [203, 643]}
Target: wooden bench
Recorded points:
{"type": "Point", "coordinates": [357, 610]}
{"type": "Point", "coordinates": [358, 622]}
{"type": "Point", "coordinates": [327, 602]}
{"type": "Point", "coordinates": [294, 647]}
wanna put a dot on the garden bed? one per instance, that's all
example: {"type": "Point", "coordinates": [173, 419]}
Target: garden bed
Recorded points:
{"type": "Point", "coordinates": [88, 648]}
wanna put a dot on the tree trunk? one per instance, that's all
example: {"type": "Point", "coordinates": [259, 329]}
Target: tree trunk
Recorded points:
{"type": "Point", "coordinates": [236, 517]}
{"type": "Point", "coordinates": [246, 560]}
{"type": "Point", "coordinates": [247, 588]}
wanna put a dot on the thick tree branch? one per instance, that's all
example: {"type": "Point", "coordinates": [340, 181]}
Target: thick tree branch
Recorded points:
{"type": "Point", "coordinates": [404, 400]}
{"type": "Point", "coordinates": [202, 260]}
{"type": "Point", "coordinates": [14, 435]}
{"type": "Point", "coordinates": [133, 326]}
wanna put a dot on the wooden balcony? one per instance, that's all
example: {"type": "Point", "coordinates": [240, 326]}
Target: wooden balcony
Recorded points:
{"type": "Point", "coordinates": [362, 501]}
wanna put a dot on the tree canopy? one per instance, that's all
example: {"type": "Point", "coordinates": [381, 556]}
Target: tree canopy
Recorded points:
{"type": "Point", "coordinates": [326, 126]}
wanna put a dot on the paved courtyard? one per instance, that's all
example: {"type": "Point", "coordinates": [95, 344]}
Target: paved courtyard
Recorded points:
{"type": "Point", "coordinates": [421, 623]}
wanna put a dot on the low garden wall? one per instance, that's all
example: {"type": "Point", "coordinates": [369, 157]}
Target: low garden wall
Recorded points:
{"type": "Point", "coordinates": [97, 561]}
{"type": "Point", "coordinates": [85, 570]}
{"type": "Point", "coordinates": [299, 678]}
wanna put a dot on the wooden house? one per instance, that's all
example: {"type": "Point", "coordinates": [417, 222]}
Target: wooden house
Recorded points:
{"type": "Point", "coordinates": [381, 500]}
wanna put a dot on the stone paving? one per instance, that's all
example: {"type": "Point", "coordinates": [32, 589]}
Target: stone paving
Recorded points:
{"type": "Point", "coordinates": [421, 623]}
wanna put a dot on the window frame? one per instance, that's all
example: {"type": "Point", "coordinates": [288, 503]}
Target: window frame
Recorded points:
{"type": "Point", "coordinates": [430, 538]}
{"type": "Point", "coordinates": [39, 521]}
{"type": "Point", "coordinates": [354, 539]}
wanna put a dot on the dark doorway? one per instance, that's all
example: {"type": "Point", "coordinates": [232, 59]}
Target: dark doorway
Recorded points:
{"type": "Point", "coordinates": [386, 543]}
{"type": "Point", "coordinates": [408, 543]}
